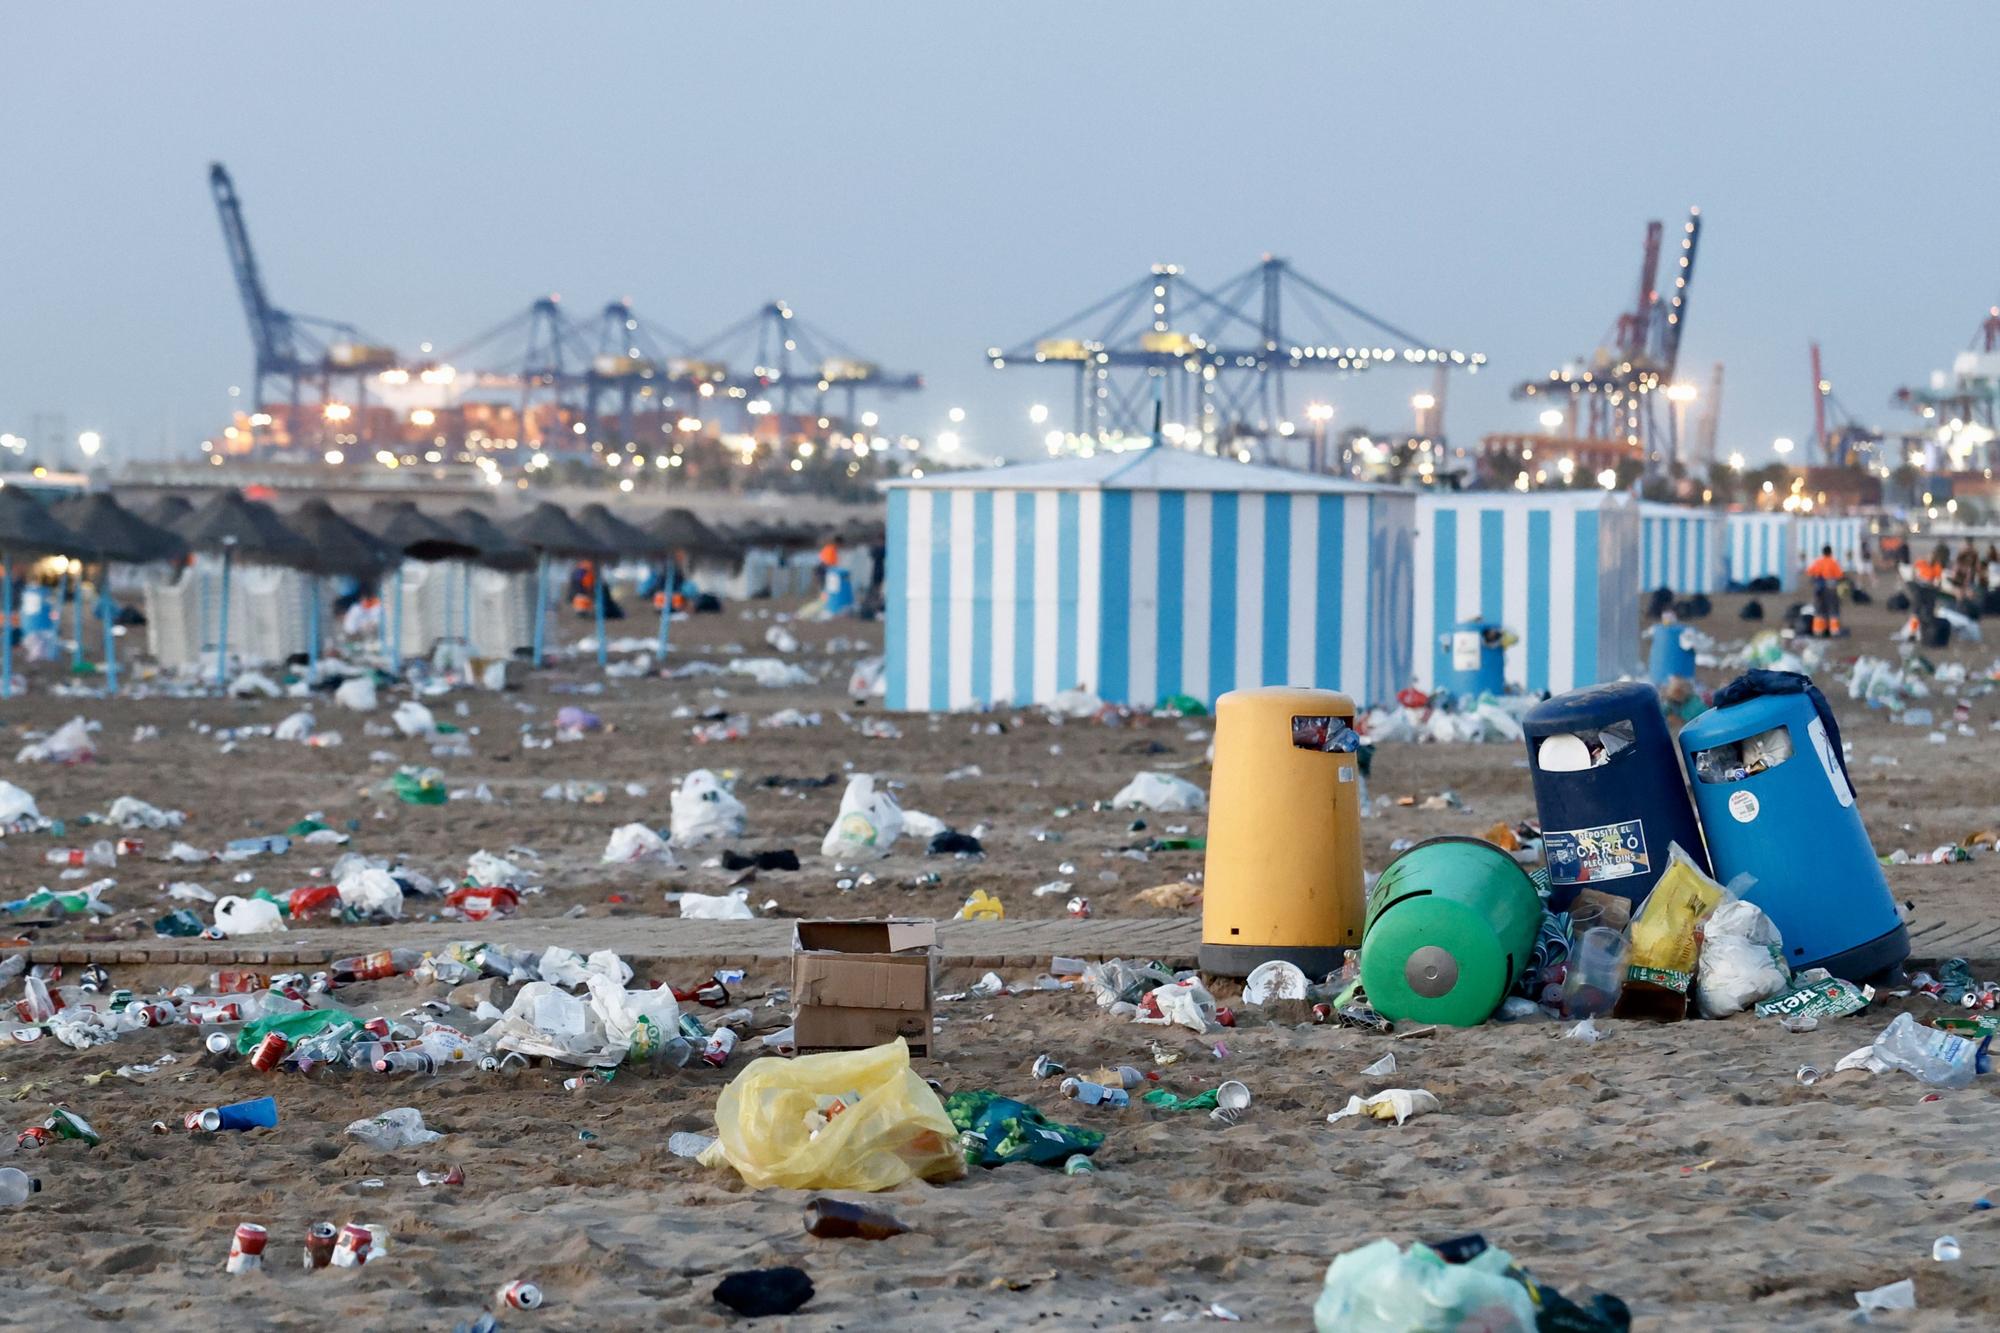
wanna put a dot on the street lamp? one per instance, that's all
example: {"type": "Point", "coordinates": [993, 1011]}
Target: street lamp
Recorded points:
{"type": "Point", "coordinates": [1038, 414]}
{"type": "Point", "coordinates": [1319, 414]}
{"type": "Point", "coordinates": [90, 442]}
{"type": "Point", "coordinates": [1783, 444]}
{"type": "Point", "coordinates": [1552, 417]}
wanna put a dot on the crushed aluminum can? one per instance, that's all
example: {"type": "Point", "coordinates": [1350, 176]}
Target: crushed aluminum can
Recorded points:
{"type": "Point", "coordinates": [520, 1296]}
{"type": "Point", "coordinates": [721, 1044]}
{"type": "Point", "coordinates": [1322, 1013]}
{"type": "Point", "coordinates": [451, 1175]}
{"type": "Point", "coordinates": [320, 1237]}
{"type": "Point", "coordinates": [34, 1136]}
{"type": "Point", "coordinates": [1046, 1067]}
{"type": "Point", "coordinates": [220, 1043]}
{"type": "Point", "coordinates": [1079, 1165]}
{"type": "Point", "coordinates": [246, 1250]}
{"type": "Point", "coordinates": [1809, 1075]}
{"type": "Point", "coordinates": [1079, 908]}
{"type": "Point", "coordinates": [351, 1247]}
{"type": "Point", "coordinates": [93, 978]}
{"type": "Point", "coordinates": [1094, 1094]}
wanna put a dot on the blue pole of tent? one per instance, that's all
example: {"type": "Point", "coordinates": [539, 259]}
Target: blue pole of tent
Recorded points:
{"type": "Point", "coordinates": [396, 642]}
{"type": "Point", "coordinates": [76, 648]}
{"type": "Point", "coordinates": [597, 581]}
{"type": "Point", "coordinates": [666, 607]}
{"type": "Point", "coordinates": [6, 626]}
{"type": "Point", "coordinates": [109, 610]}
{"type": "Point", "coordinates": [222, 634]}
{"type": "Point", "coordinates": [541, 604]}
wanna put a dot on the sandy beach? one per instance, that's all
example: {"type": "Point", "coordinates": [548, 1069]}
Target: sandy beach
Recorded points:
{"type": "Point", "coordinates": [1682, 1167]}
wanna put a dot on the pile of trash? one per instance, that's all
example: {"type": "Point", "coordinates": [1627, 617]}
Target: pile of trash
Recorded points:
{"type": "Point", "coordinates": [1443, 718]}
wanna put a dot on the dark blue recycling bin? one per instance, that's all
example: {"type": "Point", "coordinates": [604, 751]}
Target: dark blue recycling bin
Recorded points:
{"type": "Point", "coordinates": [1776, 803]}
{"type": "Point", "coordinates": [1673, 653]}
{"type": "Point", "coordinates": [1475, 662]}
{"type": "Point", "coordinates": [1609, 791]}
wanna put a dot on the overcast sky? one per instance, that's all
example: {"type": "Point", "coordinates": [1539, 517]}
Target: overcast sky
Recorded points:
{"type": "Point", "coordinates": [928, 179]}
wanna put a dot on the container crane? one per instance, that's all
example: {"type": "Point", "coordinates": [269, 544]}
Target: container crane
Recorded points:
{"type": "Point", "coordinates": [1838, 439]}
{"type": "Point", "coordinates": [790, 357]}
{"type": "Point", "coordinates": [291, 350]}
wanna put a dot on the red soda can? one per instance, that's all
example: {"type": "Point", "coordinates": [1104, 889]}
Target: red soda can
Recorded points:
{"type": "Point", "coordinates": [721, 1043]}
{"type": "Point", "coordinates": [378, 1026]}
{"type": "Point", "coordinates": [1322, 1013]}
{"type": "Point", "coordinates": [350, 1248]}
{"type": "Point", "coordinates": [1079, 907]}
{"type": "Point", "coordinates": [246, 1251]}
{"type": "Point", "coordinates": [215, 1011]}
{"type": "Point", "coordinates": [269, 1052]}
{"type": "Point", "coordinates": [131, 846]}
{"type": "Point", "coordinates": [319, 1244]}
{"type": "Point", "coordinates": [237, 983]}
{"type": "Point", "coordinates": [152, 1015]}
{"type": "Point", "coordinates": [35, 1136]}
{"type": "Point", "coordinates": [1225, 1016]}
{"type": "Point", "coordinates": [521, 1296]}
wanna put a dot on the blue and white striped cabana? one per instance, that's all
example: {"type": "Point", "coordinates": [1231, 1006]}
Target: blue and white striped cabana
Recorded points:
{"type": "Point", "coordinates": [1139, 575]}
{"type": "Point", "coordinates": [1764, 546]}
{"type": "Point", "coordinates": [1843, 534]}
{"type": "Point", "coordinates": [1681, 548]}
{"type": "Point", "coordinates": [1558, 568]}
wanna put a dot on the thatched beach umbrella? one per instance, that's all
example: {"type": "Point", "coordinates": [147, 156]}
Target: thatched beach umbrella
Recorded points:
{"type": "Point", "coordinates": [414, 535]}
{"type": "Point", "coordinates": [111, 534]}
{"type": "Point", "coordinates": [26, 528]}
{"type": "Point", "coordinates": [230, 526]}
{"type": "Point", "coordinates": [341, 548]}
{"type": "Point", "coordinates": [547, 530]}
{"type": "Point", "coordinates": [620, 539]}
{"type": "Point", "coordinates": [679, 530]}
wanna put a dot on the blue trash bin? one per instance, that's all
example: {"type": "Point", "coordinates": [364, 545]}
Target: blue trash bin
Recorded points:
{"type": "Point", "coordinates": [1609, 791]}
{"type": "Point", "coordinates": [1475, 660]}
{"type": "Point", "coordinates": [1673, 653]}
{"type": "Point", "coordinates": [1776, 803]}
{"type": "Point", "coordinates": [839, 590]}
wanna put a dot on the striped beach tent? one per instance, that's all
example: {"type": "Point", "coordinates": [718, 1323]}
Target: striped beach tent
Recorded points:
{"type": "Point", "coordinates": [1560, 569]}
{"type": "Point", "coordinates": [1764, 546]}
{"type": "Point", "coordinates": [1681, 548]}
{"type": "Point", "coordinates": [1142, 574]}
{"type": "Point", "coordinates": [1843, 534]}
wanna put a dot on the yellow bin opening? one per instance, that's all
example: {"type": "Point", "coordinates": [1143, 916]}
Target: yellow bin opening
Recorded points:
{"type": "Point", "coordinates": [1284, 833]}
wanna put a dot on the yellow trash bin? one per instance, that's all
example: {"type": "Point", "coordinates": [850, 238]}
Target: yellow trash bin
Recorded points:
{"type": "Point", "coordinates": [1284, 833]}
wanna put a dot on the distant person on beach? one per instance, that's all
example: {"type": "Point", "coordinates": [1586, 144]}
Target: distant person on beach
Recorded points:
{"type": "Point", "coordinates": [1826, 575]}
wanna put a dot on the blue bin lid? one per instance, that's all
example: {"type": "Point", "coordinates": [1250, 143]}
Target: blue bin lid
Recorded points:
{"type": "Point", "coordinates": [1595, 706]}
{"type": "Point", "coordinates": [1752, 717]}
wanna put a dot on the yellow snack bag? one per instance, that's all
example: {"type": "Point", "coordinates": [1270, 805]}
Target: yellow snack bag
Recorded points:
{"type": "Point", "coordinates": [1665, 943]}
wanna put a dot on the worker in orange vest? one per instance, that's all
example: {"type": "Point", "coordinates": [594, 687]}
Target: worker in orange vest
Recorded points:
{"type": "Point", "coordinates": [1826, 575]}
{"type": "Point", "coordinates": [1925, 576]}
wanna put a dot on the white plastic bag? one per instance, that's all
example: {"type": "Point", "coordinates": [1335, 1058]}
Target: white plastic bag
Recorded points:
{"type": "Point", "coordinates": [356, 693]}
{"type": "Point", "coordinates": [295, 727]}
{"type": "Point", "coordinates": [1398, 1104]}
{"type": "Point", "coordinates": [16, 804]}
{"type": "Point", "coordinates": [1078, 702]}
{"type": "Point", "coordinates": [1186, 1002]}
{"type": "Point", "coordinates": [702, 810]}
{"type": "Point", "coordinates": [413, 719]}
{"type": "Point", "coordinates": [731, 906]}
{"type": "Point", "coordinates": [636, 842]}
{"type": "Point", "coordinates": [495, 872]}
{"type": "Point", "coordinates": [1742, 960]}
{"type": "Point", "coordinates": [621, 1012]}
{"type": "Point", "coordinates": [922, 826]}
{"type": "Point", "coordinates": [371, 892]}
{"type": "Point", "coordinates": [129, 812]}
{"type": "Point", "coordinates": [401, 1128]}
{"type": "Point", "coordinates": [254, 683]}
{"type": "Point", "coordinates": [567, 967]}
{"type": "Point", "coordinates": [68, 744]}
{"type": "Point", "coordinates": [1379, 1288]}
{"type": "Point", "coordinates": [868, 824]}
{"type": "Point", "coordinates": [770, 672]}
{"type": "Point", "coordinates": [548, 1022]}
{"type": "Point", "coordinates": [247, 916]}
{"type": "Point", "coordinates": [1162, 792]}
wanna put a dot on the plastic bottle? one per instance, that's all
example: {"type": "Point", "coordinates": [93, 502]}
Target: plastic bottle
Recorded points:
{"type": "Point", "coordinates": [1596, 973]}
{"type": "Point", "coordinates": [1941, 1059]}
{"type": "Point", "coordinates": [375, 966]}
{"type": "Point", "coordinates": [16, 1186]}
{"type": "Point", "coordinates": [836, 1219]}
{"type": "Point", "coordinates": [100, 853]}
{"type": "Point", "coordinates": [405, 1062]}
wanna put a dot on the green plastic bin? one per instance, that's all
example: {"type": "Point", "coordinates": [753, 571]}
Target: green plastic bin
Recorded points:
{"type": "Point", "coordinates": [1451, 924]}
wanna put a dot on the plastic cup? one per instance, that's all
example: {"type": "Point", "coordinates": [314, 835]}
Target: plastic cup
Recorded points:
{"type": "Point", "coordinates": [1596, 973]}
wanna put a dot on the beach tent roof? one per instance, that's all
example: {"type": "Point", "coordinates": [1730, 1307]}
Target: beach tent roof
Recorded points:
{"type": "Point", "coordinates": [249, 527]}
{"type": "Point", "coordinates": [680, 530]}
{"type": "Point", "coordinates": [107, 530]}
{"type": "Point", "coordinates": [614, 534]}
{"type": "Point", "coordinates": [1154, 468]}
{"type": "Point", "coordinates": [339, 545]}
{"type": "Point", "coordinates": [167, 512]}
{"type": "Point", "coordinates": [547, 528]}
{"type": "Point", "coordinates": [407, 530]}
{"type": "Point", "coordinates": [28, 528]}
{"type": "Point", "coordinates": [496, 548]}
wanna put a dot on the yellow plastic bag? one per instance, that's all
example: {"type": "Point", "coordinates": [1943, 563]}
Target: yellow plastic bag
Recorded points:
{"type": "Point", "coordinates": [982, 906]}
{"type": "Point", "coordinates": [1665, 942]}
{"type": "Point", "coordinates": [842, 1120]}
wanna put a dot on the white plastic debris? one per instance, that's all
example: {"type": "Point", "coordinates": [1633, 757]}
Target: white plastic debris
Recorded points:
{"type": "Point", "coordinates": [1398, 1104]}
{"type": "Point", "coordinates": [356, 693]}
{"type": "Point", "coordinates": [636, 842]}
{"type": "Point", "coordinates": [1078, 702]}
{"type": "Point", "coordinates": [1161, 792]}
{"type": "Point", "coordinates": [1185, 1002]}
{"type": "Point", "coordinates": [1587, 1032]}
{"type": "Point", "coordinates": [129, 812]}
{"type": "Point", "coordinates": [704, 811]}
{"type": "Point", "coordinates": [1381, 1068]}
{"type": "Point", "coordinates": [867, 826]}
{"type": "Point", "coordinates": [183, 892]}
{"type": "Point", "coordinates": [413, 719]}
{"type": "Point", "coordinates": [920, 825]}
{"type": "Point", "coordinates": [1742, 959]}
{"type": "Point", "coordinates": [296, 727]}
{"type": "Point", "coordinates": [401, 1128]}
{"type": "Point", "coordinates": [254, 683]}
{"type": "Point", "coordinates": [494, 872]}
{"type": "Point", "coordinates": [68, 744]}
{"type": "Point", "coordinates": [371, 892]}
{"type": "Point", "coordinates": [247, 916]}
{"type": "Point", "coordinates": [16, 804]}
{"type": "Point", "coordinates": [1896, 1296]}
{"type": "Point", "coordinates": [1275, 980]}
{"type": "Point", "coordinates": [731, 906]}
{"type": "Point", "coordinates": [782, 639]}
{"type": "Point", "coordinates": [770, 672]}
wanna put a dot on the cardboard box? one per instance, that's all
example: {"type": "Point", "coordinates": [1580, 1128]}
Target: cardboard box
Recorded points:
{"type": "Point", "coordinates": [858, 984]}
